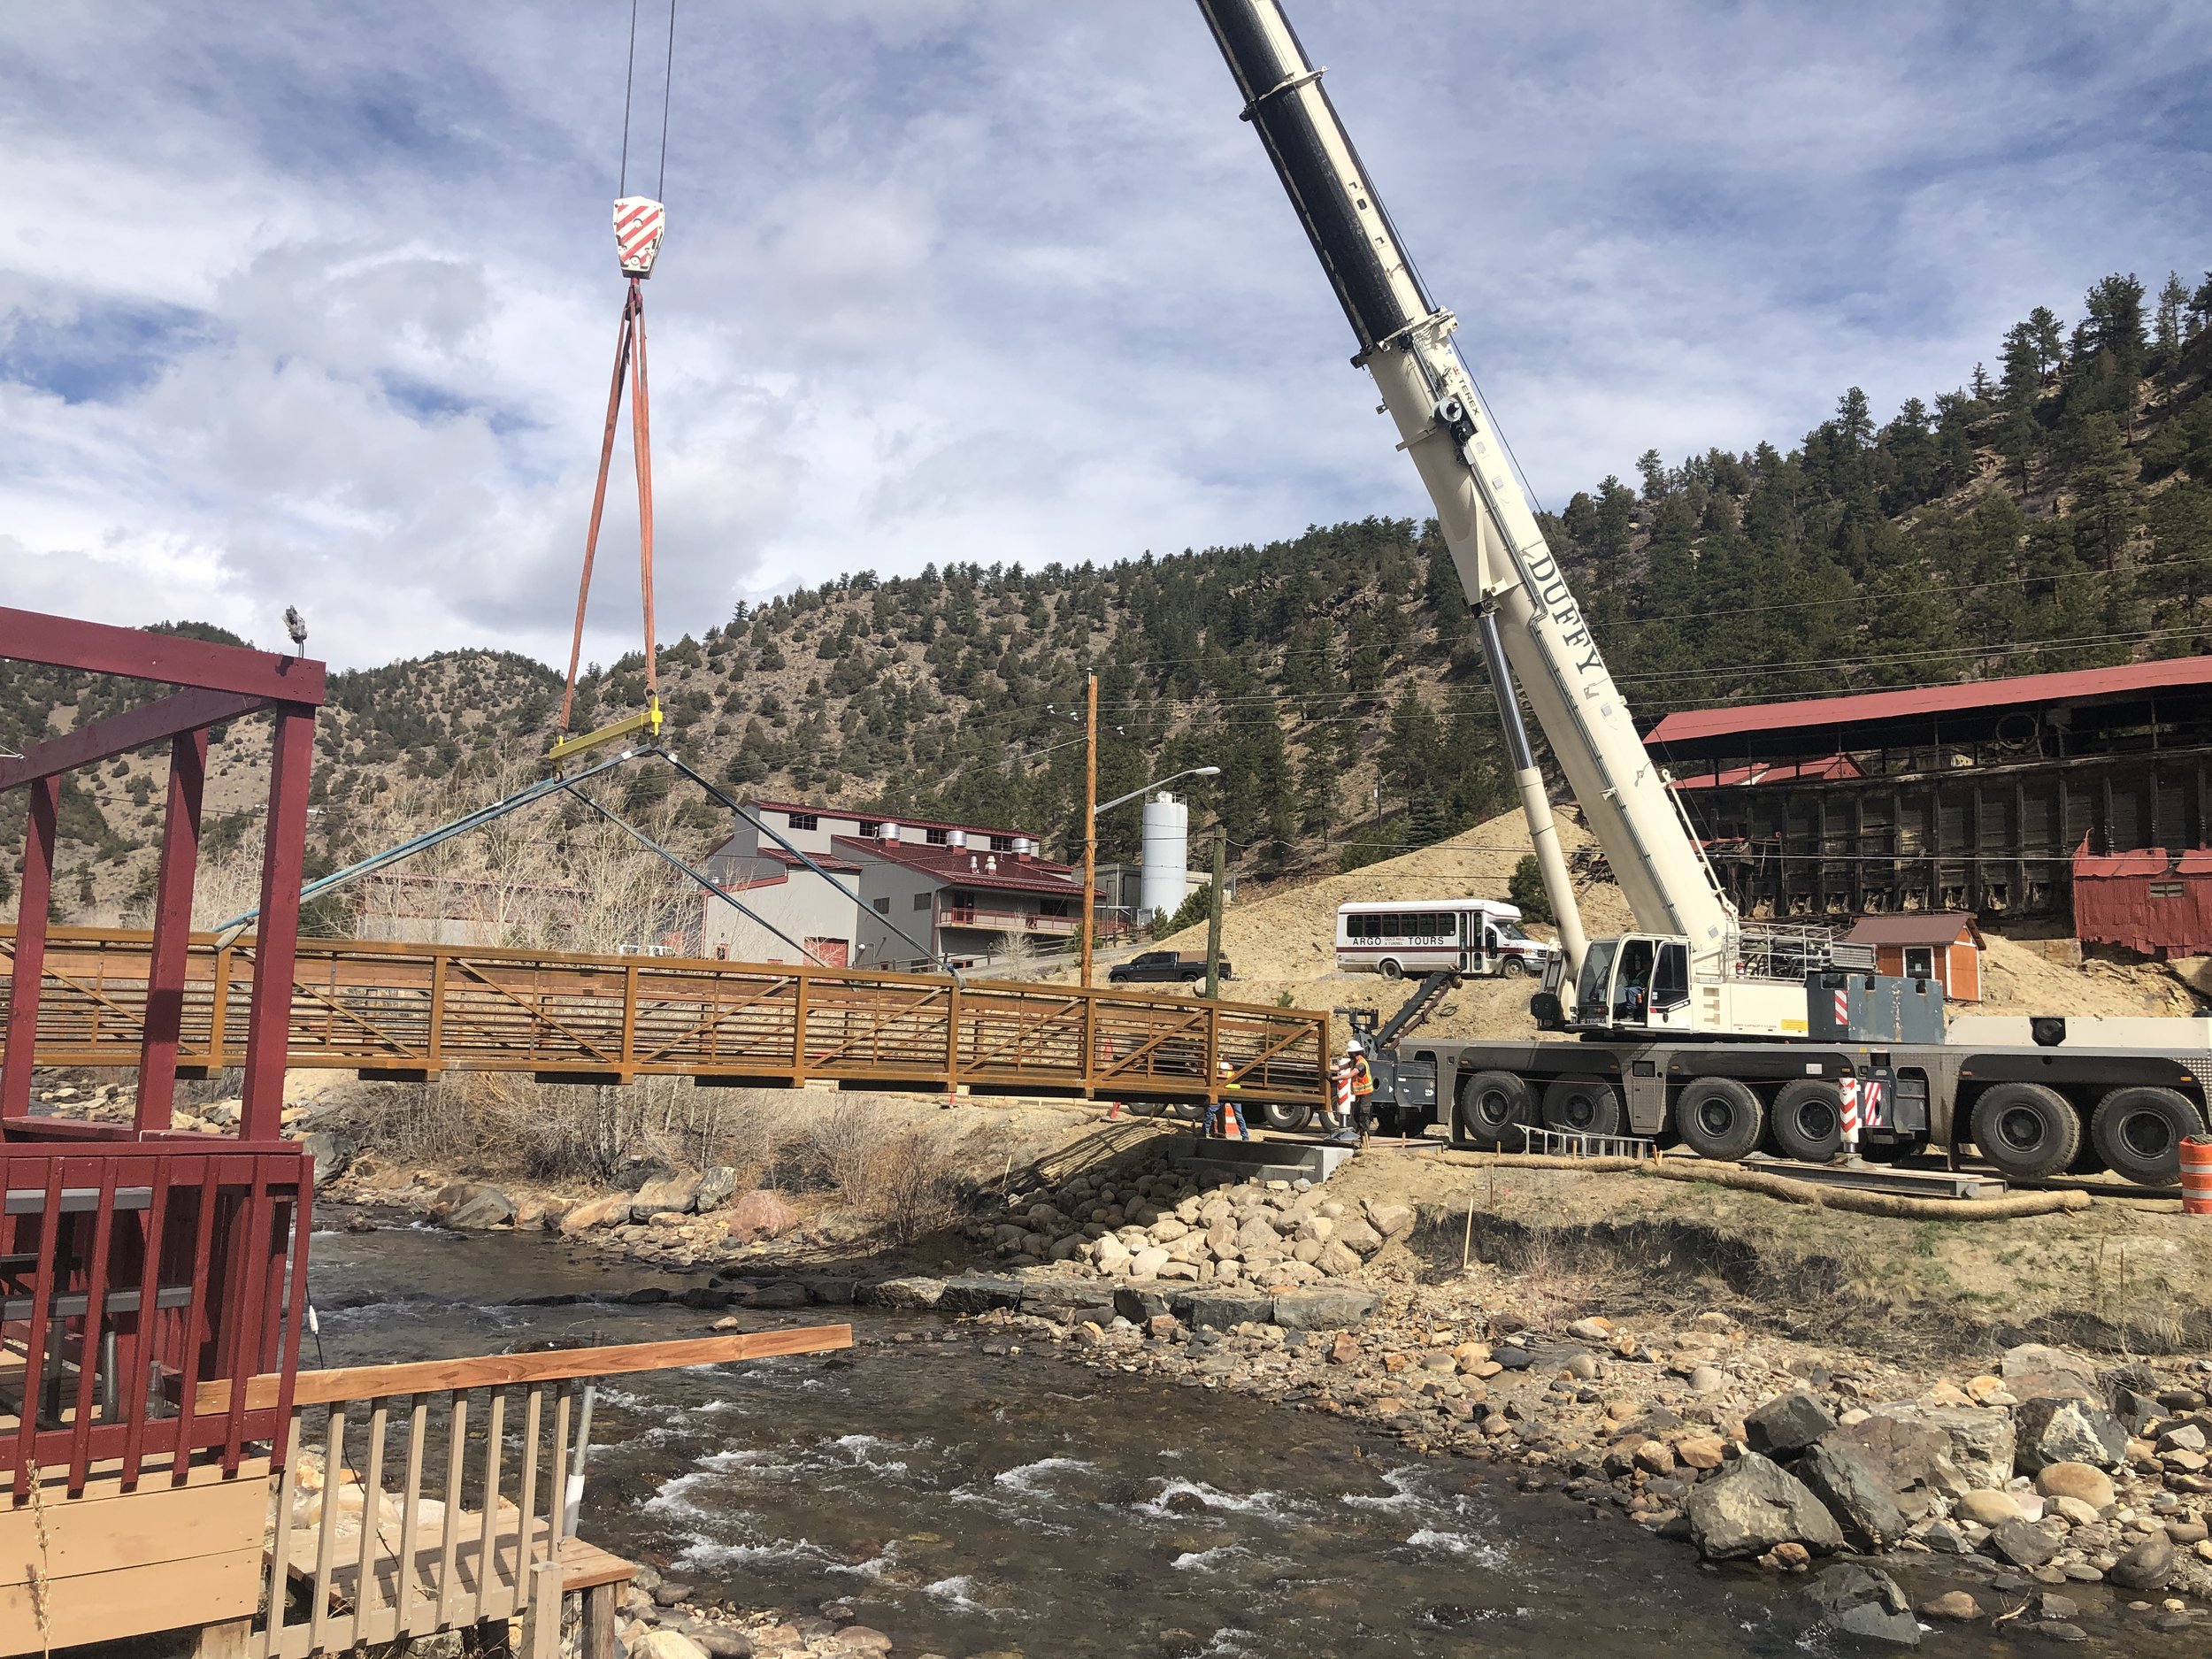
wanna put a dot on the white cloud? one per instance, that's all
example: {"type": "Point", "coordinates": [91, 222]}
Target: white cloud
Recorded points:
{"type": "Point", "coordinates": [330, 321]}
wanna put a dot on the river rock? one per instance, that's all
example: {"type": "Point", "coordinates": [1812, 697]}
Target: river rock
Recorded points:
{"type": "Point", "coordinates": [783, 1293]}
{"type": "Point", "coordinates": [1857, 1494]}
{"type": "Point", "coordinates": [1112, 1256]}
{"type": "Point", "coordinates": [759, 1214]}
{"type": "Point", "coordinates": [914, 1293]}
{"type": "Point", "coordinates": [1337, 1260]}
{"type": "Point", "coordinates": [2146, 1567]}
{"type": "Point", "coordinates": [1147, 1264]}
{"type": "Point", "coordinates": [980, 1293]}
{"type": "Point", "coordinates": [717, 1186]}
{"type": "Point", "coordinates": [1700, 1451]}
{"type": "Point", "coordinates": [2085, 1481]}
{"type": "Point", "coordinates": [330, 1152]}
{"type": "Point", "coordinates": [1979, 1449]}
{"type": "Point", "coordinates": [1356, 1236]}
{"type": "Point", "coordinates": [1390, 1220]}
{"type": "Point", "coordinates": [723, 1643]}
{"type": "Point", "coordinates": [2058, 1429]}
{"type": "Point", "coordinates": [1860, 1602]}
{"type": "Point", "coordinates": [2032, 1371]}
{"type": "Point", "coordinates": [472, 1206]}
{"type": "Point", "coordinates": [670, 1194]}
{"type": "Point", "coordinates": [1957, 1605]}
{"type": "Point", "coordinates": [1219, 1309]}
{"type": "Point", "coordinates": [1786, 1424]}
{"type": "Point", "coordinates": [1754, 1504]}
{"type": "Point", "coordinates": [1592, 1330]}
{"type": "Point", "coordinates": [1985, 1508]}
{"type": "Point", "coordinates": [1086, 1296]}
{"type": "Point", "coordinates": [665, 1644]}
{"type": "Point", "coordinates": [1141, 1304]}
{"type": "Point", "coordinates": [2025, 1546]}
{"type": "Point", "coordinates": [1325, 1307]}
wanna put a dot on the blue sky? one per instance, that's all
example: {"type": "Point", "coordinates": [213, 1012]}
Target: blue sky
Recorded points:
{"type": "Point", "coordinates": [315, 305]}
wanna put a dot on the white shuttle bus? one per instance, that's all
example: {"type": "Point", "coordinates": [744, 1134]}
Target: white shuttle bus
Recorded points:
{"type": "Point", "coordinates": [1417, 936]}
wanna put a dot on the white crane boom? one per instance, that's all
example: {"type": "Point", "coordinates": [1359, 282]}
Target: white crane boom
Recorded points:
{"type": "Point", "coordinates": [1530, 623]}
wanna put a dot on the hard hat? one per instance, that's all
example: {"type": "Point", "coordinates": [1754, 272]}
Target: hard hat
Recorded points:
{"type": "Point", "coordinates": [1354, 1047]}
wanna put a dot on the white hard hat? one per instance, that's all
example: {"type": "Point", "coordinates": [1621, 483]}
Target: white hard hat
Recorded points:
{"type": "Point", "coordinates": [1354, 1047]}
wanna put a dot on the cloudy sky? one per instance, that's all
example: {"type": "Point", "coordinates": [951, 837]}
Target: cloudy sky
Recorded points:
{"type": "Point", "coordinates": [315, 305]}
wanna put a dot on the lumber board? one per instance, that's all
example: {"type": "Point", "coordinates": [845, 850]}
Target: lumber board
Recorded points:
{"type": "Point", "coordinates": [97, 1535]}
{"type": "Point", "coordinates": [133, 1601]}
{"type": "Point", "coordinates": [499, 1370]}
{"type": "Point", "coordinates": [586, 1566]}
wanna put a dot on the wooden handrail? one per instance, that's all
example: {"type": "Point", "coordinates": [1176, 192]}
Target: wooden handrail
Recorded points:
{"type": "Point", "coordinates": [497, 1370]}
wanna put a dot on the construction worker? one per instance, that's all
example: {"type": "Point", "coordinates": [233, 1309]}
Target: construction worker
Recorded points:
{"type": "Point", "coordinates": [1363, 1088]}
{"type": "Point", "coordinates": [1228, 1102]}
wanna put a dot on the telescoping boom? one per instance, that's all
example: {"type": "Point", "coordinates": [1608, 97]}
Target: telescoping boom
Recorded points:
{"type": "Point", "coordinates": [1531, 629]}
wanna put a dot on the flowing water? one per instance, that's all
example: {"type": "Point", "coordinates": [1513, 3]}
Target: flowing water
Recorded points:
{"type": "Point", "coordinates": [968, 1502]}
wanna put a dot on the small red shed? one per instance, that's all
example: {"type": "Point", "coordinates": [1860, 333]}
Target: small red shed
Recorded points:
{"type": "Point", "coordinates": [1941, 945]}
{"type": "Point", "coordinates": [2151, 900]}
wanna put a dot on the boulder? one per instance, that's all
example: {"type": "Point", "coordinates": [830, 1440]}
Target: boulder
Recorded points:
{"type": "Point", "coordinates": [1087, 1297]}
{"type": "Point", "coordinates": [668, 1194]}
{"type": "Point", "coordinates": [1985, 1508]}
{"type": "Point", "coordinates": [1786, 1424]}
{"type": "Point", "coordinates": [2032, 1371]}
{"type": "Point", "coordinates": [1857, 1494]}
{"type": "Point", "coordinates": [1754, 1504]}
{"type": "Point", "coordinates": [665, 1644]}
{"type": "Point", "coordinates": [330, 1152]}
{"type": "Point", "coordinates": [760, 1214]}
{"type": "Point", "coordinates": [2063, 1429]}
{"type": "Point", "coordinates": [1390, 1220]}
{"type": "Point", "coordinates": [1337, 1260]}
{"type": "Point", "coordinates": [1863, 1602]}
{"type": "Point", "coordinates": [1958, 1606]}
{"type": "Point", "coordinates": [472, 1206]}
{"type": "Point", "coordinates": [1140, 1303]}
{"type": "Point", "coordinates": [717, 1186]}
{"type": "Point", "coordinates": [1980, 1443]}
{"type": "Point", "coordinates": [1219, 1309]}
{"type": "Point", "coordinates": [1356, 1236]}
{"type": "Point", "coordinates": [2083, 1481]}
{"type": "Point", "coordinates": [914, 1293]}
{"type": "Point", "coordinates": [1700, 1451]}
{"type": "Point", "coordinates": [785, 1293]}
{"type": "Point", "coordinates": [1593, 1330]}
{"type": "Point", "coordinates": [2025, 1546]}
{"type": "Point", "coordinates": [2146, 1567]}
{"type": "Point", "coordinates": [1325, 1307]}
{"type": "Point", "coordinates": [1256, 1234]}
{"type": "Point", "coordinates": [1148, 1264]}
{"type": "Point", "coordinates": [980, 1293]}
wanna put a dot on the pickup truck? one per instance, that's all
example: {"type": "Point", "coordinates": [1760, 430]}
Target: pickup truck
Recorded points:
{"type": "Point", "coordinates": [1169, 967]}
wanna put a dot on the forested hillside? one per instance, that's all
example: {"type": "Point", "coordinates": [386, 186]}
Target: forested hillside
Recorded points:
{"type": "Point", "coordinates": [2054, 513]}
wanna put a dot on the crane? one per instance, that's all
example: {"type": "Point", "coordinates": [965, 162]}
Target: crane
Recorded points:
{"type": "Point", "coordinates": [1692, 965]}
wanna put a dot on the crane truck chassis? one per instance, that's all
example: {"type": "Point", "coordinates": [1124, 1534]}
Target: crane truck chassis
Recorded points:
{"type": "Point", "coordinates": [1698, 1026]}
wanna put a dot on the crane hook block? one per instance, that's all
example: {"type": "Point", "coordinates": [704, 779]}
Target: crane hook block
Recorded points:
{"type": "Point", "coordinates": [639, 223]}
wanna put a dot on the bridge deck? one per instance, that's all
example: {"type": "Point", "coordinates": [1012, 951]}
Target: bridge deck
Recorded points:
{"type": "Point", "coordinates": [410, 1012]}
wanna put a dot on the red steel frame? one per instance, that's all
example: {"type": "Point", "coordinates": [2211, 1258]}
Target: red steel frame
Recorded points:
{"type": "Point", "coordinates": [137, 1263]}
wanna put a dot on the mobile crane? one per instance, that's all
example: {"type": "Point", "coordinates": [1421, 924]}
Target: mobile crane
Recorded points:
{"type": "Point", "coordinates": [1696, 1024]}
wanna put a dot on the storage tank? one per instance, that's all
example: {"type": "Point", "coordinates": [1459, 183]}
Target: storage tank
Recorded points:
{"type": "Point", "coordinates": [1165, 881]}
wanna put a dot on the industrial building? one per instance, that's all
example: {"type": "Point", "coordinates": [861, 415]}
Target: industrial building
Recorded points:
{"type": "Point", "coordinates": [973, 892]}
{"type": "Point", "coordinates": [1979, 797]}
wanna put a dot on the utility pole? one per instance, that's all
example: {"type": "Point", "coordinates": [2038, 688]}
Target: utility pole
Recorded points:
{"type": "Point", "coordinates": [1213, 914]}
{"type": "Point", "coordinates": [1090, 818]}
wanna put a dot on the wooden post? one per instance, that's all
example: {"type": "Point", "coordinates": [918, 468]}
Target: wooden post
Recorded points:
{"type": "Point", "coordinates": [1090, 820]}
{"type": "Point", "coordinates": [541, 1623]}
{"type": "Point", "coordinates": [600, 1604]}
{"type": "Point", "coordinates": [225, 1641]}
{"type": "Point", "coordinates": [1213, 913]}
{"type": "Point", "coordinates": [32, 895]}
{"type": "Point", "coordinates": [173, 921]}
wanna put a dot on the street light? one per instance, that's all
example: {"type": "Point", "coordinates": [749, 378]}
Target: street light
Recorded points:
{"type": "Point", "coordinates": [1090, 824]}
{"type": "Point", "coordinates": [1124, 800]}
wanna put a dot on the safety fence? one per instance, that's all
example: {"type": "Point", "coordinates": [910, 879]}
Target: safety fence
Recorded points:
{"type": "Point", "coordinates": [132, 1275]}
{"type": "Point", "coordinates": [411, 1010]}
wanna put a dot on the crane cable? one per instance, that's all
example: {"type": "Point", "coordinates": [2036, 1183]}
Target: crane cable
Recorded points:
{"type": "Point", "coordinates": [640, 223]}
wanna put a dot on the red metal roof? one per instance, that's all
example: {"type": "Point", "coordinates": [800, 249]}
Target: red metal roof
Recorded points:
{"type": "Point", "coordinates": [1914, 927]}
{"type": "Point", "coordinates": [873, 817]}
{"type": "Point", "coordinates": [1689, 723]}
{"type": "Point", "coordinates": [950, 865]}
{"type": "Point", "coordinates": [1771, 772]}
{"type": "Point", "coordinates": [835, 865]}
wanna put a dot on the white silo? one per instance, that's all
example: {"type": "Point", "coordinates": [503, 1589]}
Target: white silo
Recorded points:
{"type": "Point", "coordinates": [1166, 878]}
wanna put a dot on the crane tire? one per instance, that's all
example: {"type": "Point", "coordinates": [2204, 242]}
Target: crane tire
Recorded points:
{"type": "Point", "coordinates": [1492, 1104]}
{"type": "Point", "coordinates": [1719, 1119]}
{"type": "Point", "coordinates": [1582, 1106]}
{"type": "Point", "coordinates": [1807, 1121]}
{"type": "Point", "coordinates": [2026, 1130]}
{"type": "Point", "coordinates": [2137, 1132]}
{"type": "Point", "coordinates": [1286, 1114]}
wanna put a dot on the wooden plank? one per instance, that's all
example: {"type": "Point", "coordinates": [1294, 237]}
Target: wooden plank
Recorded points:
{"type": "Point", "coordinates": [158, 1523]}
{"type": "Point", "coordinates": [485, 1371]}
{"type": "Point", "coordinates": [584, 1566]}
{"type": "Point", "coordinates": [132, 1601]}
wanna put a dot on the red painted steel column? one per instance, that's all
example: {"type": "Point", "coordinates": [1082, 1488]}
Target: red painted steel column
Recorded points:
{"type": "Point", "coordinates": [172, 926]}
{"type": "Point", "coordinates": [269, 1036]}
{"type": "Point", "coordinates": [33, 893]}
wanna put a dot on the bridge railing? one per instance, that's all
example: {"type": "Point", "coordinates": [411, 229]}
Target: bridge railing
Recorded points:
{"type": "Point", "coordinates": [400, 1009]}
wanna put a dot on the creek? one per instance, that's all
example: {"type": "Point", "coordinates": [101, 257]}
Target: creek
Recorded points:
{"type": "Point", "coordinates": [969, 1501]}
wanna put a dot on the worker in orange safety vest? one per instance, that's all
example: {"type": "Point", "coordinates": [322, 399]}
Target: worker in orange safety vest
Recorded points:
{"type": "Point", "coordinates": [1363, 1088]}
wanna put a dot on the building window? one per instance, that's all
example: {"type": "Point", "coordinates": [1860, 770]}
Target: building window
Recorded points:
{"type": "Point", "coordinates": [883, 907]}
{"type": "Point", "coordinates": [1920, 962]}
{"type": "Point", "coordinates": [921, 901]}
{"type": "Point", "coordinates": [721, 953]}
{"type": "Point", "coordinates": [870, 832]}
{"type": "Point", "coordinates": [937, 838]}
{"type": "Point", "coordinates": [804, 820]}
{"type": "Point", "coordinates": [1002, 843]}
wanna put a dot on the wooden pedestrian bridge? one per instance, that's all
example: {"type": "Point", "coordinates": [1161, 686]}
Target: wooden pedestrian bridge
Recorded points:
{"type": "Point", "coordinates": [408, 1012]}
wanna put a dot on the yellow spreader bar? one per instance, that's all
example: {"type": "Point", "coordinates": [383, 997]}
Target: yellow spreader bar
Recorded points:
{"type": "Point", "coordinates": [648, 720]}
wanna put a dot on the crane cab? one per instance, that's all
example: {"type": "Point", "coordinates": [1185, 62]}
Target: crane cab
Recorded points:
{"type": "Point", "coordinates": [1640, 983]}
{"type": "Point", "coordinates": [1636, 982]}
